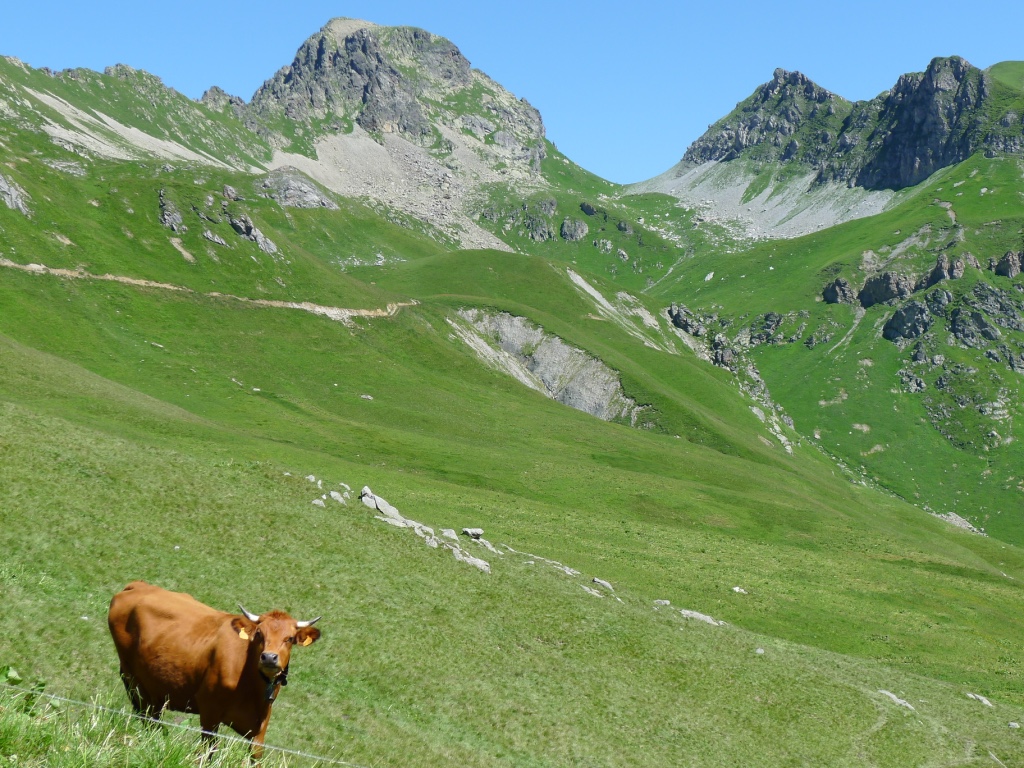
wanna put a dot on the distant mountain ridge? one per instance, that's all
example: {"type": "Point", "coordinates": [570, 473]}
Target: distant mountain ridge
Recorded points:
{"type": "Point", "coordinates": [927, 121]}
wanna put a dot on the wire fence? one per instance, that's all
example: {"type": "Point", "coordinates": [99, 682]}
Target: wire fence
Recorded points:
{"type": "Point", "coordinates": [181, 726]}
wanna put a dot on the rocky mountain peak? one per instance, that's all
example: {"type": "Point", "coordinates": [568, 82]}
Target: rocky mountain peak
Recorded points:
{"type": "Point", "coordinates": [788, 85]}
{"type": "Point", "coordinates": [406, 107]}
{"type": "Point", "coordinates": [927, 121]}
{"type": "Point", "coordinates": [374, 75]}
{"type": "Point", "coordinates": [770, 120]}
{"type": "Point", "coordinates": [342, 27]}
{"type": "Point", "coordinates": [836, 150]}
{"type": "Point", "coordinates": [217, 99]}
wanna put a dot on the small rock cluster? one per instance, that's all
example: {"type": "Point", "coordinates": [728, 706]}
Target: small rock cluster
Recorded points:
{"type": "Point", "coordinates": [448, 539]}
{"type": "Point", "coordinates": [170, 217]}
{"type": "Point", "coordinates": [708, 340]}
{"type": "Point", "coordinates": [245, 228]}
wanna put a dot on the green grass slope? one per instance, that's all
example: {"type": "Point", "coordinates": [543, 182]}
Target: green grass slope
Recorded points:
{"type": "Point", "coordinates": [425, 660]}
{"type": "Point", "coordinates": [1009, 73]}
{"type": "Point", "coordinates": [161, 425]}
{"type": "Point", "coordinates": [183, 451]}
{"type": "Point", "coordinates": [840, 380]}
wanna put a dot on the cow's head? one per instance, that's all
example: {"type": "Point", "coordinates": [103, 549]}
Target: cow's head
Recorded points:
{"type": "Point", "coordinates": [271, 638]}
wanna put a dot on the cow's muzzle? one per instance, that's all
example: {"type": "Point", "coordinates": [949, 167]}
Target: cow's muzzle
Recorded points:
{"type": "Point", "coordinates": [269, 660]}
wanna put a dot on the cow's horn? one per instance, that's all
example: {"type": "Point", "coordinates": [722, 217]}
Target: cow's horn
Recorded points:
{"type": "Point", "coordinates": [302, 624]}
{"type": "Point", "coordinates": [249, 616]}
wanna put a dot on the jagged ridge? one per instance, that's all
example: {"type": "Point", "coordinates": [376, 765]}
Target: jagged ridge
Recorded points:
{"type": "Point", "coordinates": [927, 121]}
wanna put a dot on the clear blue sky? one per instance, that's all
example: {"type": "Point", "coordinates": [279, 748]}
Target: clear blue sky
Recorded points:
{"type": "Point", "coordinates": [623, 87]}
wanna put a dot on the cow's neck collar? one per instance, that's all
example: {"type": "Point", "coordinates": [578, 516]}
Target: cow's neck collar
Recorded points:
{"type": "Point", "coordinates": [274, 683]}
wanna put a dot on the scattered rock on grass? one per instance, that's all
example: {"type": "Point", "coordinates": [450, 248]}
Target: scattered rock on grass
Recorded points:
{"type": "Point", "coordinates": [897, 700]}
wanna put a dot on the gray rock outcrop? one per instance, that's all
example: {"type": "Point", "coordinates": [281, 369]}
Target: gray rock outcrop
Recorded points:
{"type": "Point", "coordinates": [947, 269]}
{"type": "Point", "coordinates": [539, 229]}
{"type": "Point", "coordinates": [245, 228]}
{"type": "Point", "coordinates": [911, 382]}
{"type": "Point", "coordinates": [1000, 306]}
{"type": "Point", "coordinates": [938, 301]}
{"type": "Point", "coordinates": [292, 189]}
{"type": "Point", "coordinates": [214, 238]}
{"type": "Point", "coordinates": [886, 287]}
{"type": "Point", "coordinates": [217, 99]}
{"type": "Point", "coordinates": [573, 229]}
{"type": "Point", "coordinates": [14, 197]}
{"type": "Point", "coordinates": [686, 320]}
{"type": "Point", "coordinates": [547, 364]}
{"type": "Point", "coordinates": [908, 322]}
{"type": "Point", "coordinates": [839, 291]}
{"type": "Point", "coordinates": [1010, 264]}
{"type": "Point", "coordinates": [170, 217]}
{"type": "Point", "coordinates": [971, 328]}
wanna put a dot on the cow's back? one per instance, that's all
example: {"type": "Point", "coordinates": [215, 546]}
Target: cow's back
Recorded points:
{"type": "Point", "coordinates": [165, 641]}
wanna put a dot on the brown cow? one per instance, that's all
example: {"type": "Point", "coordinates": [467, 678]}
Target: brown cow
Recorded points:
{"type": "Point", "coordinates": [178, 653]}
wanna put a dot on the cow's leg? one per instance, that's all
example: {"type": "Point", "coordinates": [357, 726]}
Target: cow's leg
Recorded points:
{"type": "Point", "coordinates": [259, 738]}
{"type": "Point", "coordinates": [209, 724]}
{"type": "Point", "coordinates": [141, 703]}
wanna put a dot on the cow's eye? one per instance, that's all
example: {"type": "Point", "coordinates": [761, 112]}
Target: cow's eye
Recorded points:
{"type": "Point", "coordinates": [291, 640]}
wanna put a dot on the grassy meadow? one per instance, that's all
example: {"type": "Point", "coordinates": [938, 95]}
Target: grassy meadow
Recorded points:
{"type": "Point", "coordinates": [166, 431]}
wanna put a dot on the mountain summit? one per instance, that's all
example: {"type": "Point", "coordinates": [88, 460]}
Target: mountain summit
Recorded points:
{"type": "Point", "coordinates": [398, 115]}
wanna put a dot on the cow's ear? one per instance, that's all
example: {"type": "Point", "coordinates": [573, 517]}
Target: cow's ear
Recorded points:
{"type": "Point", "coordinates": [245, 628]}
{"type": "Point", "coordinates": [307, 636]}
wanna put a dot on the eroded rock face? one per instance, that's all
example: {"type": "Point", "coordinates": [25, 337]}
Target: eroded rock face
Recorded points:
{"type": "Point", "coordinates": [839, 291]}
{"type": "Point", "coordinates": [773, 113]}
{"type": "Point", "coordinates": [908, 322]}
{"type": "Point", "coordinates": [549, 365]}
{"type": "Point", "coordinates": [888, 286]}
{"type": "Point", "coordinates": [292, 189]}
{"type": "Point", "coordinates": [1010, 264]}
{"type": "Point", "coordinates": [383, 77]}
{"type": "Point", "coordinates": [573, 229]}
{"type": "Point", "coordinates": [328, 74]}
{"type": "Point", "coordinates": [14, 197]}
{"type": "Point", "coordinates": [927, 121]}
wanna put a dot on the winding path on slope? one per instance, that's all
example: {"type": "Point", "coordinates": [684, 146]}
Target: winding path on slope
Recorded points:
{"type": "Point", "coordinates": [338, 314]}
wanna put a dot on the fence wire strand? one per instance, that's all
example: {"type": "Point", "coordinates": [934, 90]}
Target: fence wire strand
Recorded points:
{"type": "Point", "coordinates": [180, 726]}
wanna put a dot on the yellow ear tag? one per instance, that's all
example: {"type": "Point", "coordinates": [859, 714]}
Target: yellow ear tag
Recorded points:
{"type": "Point", "coordinates": [243, 634]}
{"type": "Point", "coordinates": [307, 641]}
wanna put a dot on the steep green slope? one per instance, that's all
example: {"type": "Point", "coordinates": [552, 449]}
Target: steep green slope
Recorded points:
{"type": "Point", "coordinates": [611, 681]}
{"type": "Point", "coordinates": [630, 505]}
{"type": "Point", "coordinates": [949, 437]}
{"type": "Point", "coordinates": [1009, 73]}
{"type": "Point", "coordinates": [122, 107]}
